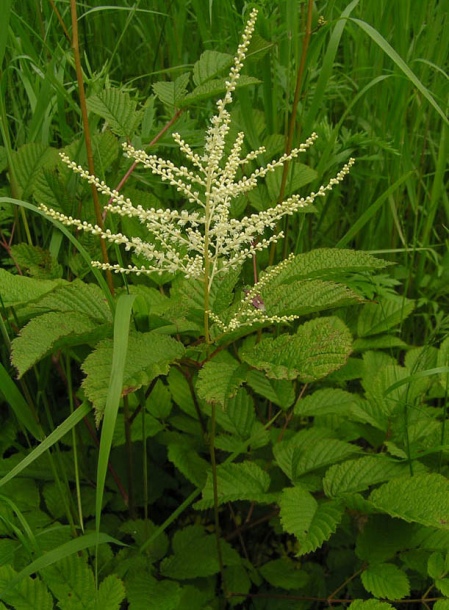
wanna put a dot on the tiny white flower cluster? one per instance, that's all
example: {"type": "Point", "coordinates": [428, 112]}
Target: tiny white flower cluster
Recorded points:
{"type": "Point", "coordinates": [207, 242]}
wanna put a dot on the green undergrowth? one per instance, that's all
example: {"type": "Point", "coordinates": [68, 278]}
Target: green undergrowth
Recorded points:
{"type": "Point", "coordinates": [149, 461]}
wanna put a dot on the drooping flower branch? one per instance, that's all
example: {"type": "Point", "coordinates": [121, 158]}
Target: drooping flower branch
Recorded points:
{"type": "Point", "coordinates": [206, 242]}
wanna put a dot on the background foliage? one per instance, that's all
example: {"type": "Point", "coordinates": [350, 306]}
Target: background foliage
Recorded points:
{"type": "Point", "coordinates": [332, 485]}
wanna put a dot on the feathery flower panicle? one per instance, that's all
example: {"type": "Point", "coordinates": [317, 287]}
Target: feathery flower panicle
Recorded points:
{"type": "Point", "coordinates": [207, 242]}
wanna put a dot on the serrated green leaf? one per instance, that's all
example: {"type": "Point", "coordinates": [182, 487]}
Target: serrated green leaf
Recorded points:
{"type": "Point", "coordinates": [284, 573]}
{"type": "Point", "coordinates": [181, 392]}
{"type": "Point", "coordinates": [195, 555]}
{"type": "Point", "coordinates": [149, 355]}
{"type": "Point", "coordinates": [209, 65]}
{"type": "Point", "coordinates": [382, 538]}
{"type": "Point", "coordinates": [357, 475]}
{"type": "Point", "coordinates": [441, 604]}
{"type": "Point", "coordinates": [219, 381]}
{"type": "Point", "coordinates": [327, 263]}
{"type": "Point", "coordinates": [422, 499]}
{"type": "Point", "coordinates": [72, 582]}
{"type": "Point", "coordinates": [144, 592]}
{"type": "Point", "coordinates": [279, 392]}
{"type": "Point", "coordinates": [29, 162]}
{"type": "Point", "coordinates": [319, 347]}
{"type": "Point", "coordinates": [111, 593]}
{"type": "Point", "coordinates": [28, 594]}
{"type": "Point", "coordinates": [320, 454]}
{"type": "Point", "coordinates": [304, 297]}
{"type": "Point", "coordinates": [189, 463]}
{"type": "Point", "coordinates": [78, 296]}
{"type": "Point", "coordinates": [386, 580]}
{"type": "Point", "coordinates": [214, 88]}
{"type": "Point", "coordinates": [244, 481]}
{"type": "Point", "coordinates": [329, 401]}
{"type": "Point", "coordinates": [50, 332]}
{"type": "Point", "coordinates": [377, 318]}
{"type": "Point", "coordinates": [298, 176]}
{"type": "Point", "coordinates": [18, 290]}
{"type": "Point", "coordinates": [117, 109]}
{"type": "Point", "coordinates": [297, 509]}
{"type": "Point", "coordinates": [39, 263]}
{"type": "Point", "coordinates": [171, 94]}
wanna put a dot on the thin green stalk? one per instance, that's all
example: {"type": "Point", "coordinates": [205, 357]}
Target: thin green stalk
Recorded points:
{"type": "Point", "coordinates": [215, 490]}
{"type": "Point", "coordinates": [87, 136]}
{"type": "Point", "coordinates": [292, 123]}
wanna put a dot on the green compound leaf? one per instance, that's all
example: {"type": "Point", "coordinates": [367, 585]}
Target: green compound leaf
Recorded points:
{"type": "Point", "coordinates": [195, 555]}
{"type": "Point", "coordinates": [71, 581]}
{"type": "Point", "coordinates": [376, 318]}
{"type": "Point", "coordinates": [29, 593]}
{"type": "Point", "coordinates": [357, 475]}
{"type": "Point", "coordinates": [284, 573]}
{"type": "Point", "coordinates": [171, 94]}
{"type": "Point", "coordinates": [18, 290]}
{"type": "Point", "coordinates": [214, 88]}
{"type": "Point", "coordinates": [149, 355]}
{"type": "Point", "coordinates": [245, 481]}
{"type": "Point", "coordinates": [319, 347]}
{"type": "Point", "coordinates": [111, 593]}
{"type": "Point", "coordinates": [311, 522]}
{"type": "Point", "coordinates": [279, 392]}
{"type": "Point", "coordinates": [386, 580]}
{"type": "Point", "coordinates": [370, 604]}
{"type": "Point", "coordinates": [144, 592]}
{"type": "Point", "coordinates": [209, 65]}
{"type": "Point", "coordinates": [117, 109]}
{"type": "Point", "coordinates": [422, 499]}
{"type": "Point", "coordinates": [219, 381]}
{"type": "Point", "coordinates": [50, 332]}
{"type": "Point", "coordinates": [327, 263]}
{"type": "Point", "coordinates": [307, 296]}
{"type": "Point", "coordinates": [189, 463]}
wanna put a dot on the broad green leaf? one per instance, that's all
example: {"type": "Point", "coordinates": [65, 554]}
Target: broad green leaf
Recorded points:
{"type": "Point", "coordinates": [117, 109]}
{"type": "Point", "coordinates": [29, 162]}
{"type": "Point", "coordinates": [279, 392]}
{"type": "Point", "coordinates": [297, 510]}
{"type": "Point", "coordinates": [214, 88]}
{"type": "Point", "coordinates": [149, 355]}
{"type": "Point", "coordinates": [321, 454]}
{"type": "Point", "coordinates": [195, 555]}
{"type": "Point", "coordinates": [181, 392]}
{"type": "Point", "coordinates": [111, 593]}
{"type": "Point", "coordinates": [443, 360]}
{"type": "Point", "coordinates": [244, 481]}
{"type": "Point", "coordinates": [28, 594]}
{"type": "Point", "coordinates": [209, 65]}
{"type": "Point", "coordinates": [382, 538]}
{"type": "Point", "coordinates": [189, 463]}
{"type": "Point", "coordinates": [327, 263]}
{"type": "Point", "coordinates": [306, 296]}
{"type": "Point", "coordinates": [298, 176]}
{"type": "Point", "coordinates": [422, 499]}
{"type": "Point", "coordinates": [140, 530]}
{"type": "Point", "coordinates": [171, 94]}
{"type": "Point", "coordinates": [377, 318]}
{"type": "Point", "coordinates": [18, 290]}
{"type": "Point", "coordinates": [72, 582]}
{"type": "Point", "coordinates": [219, 381]}
{"type": "Point", "coordinates": [39, 263]}
{"type": "Point", "coordinates": [438, 565]}
{"type": "Point", "coordinates": [357, 475]}
{"type": "Point", "coordinates": [50, 332]}
{"type": "Point", "coordinates": [144, 592]}
{"type": "Point", "coordinates": [319, 347]}
{"type": "Point", "coordinates": [284, 573]}
{"type": "Point", "coordinates": [441, 604]}
{"type": "Point", "coordinates": [386, 580]}
{"type": "Point", "coordinates": [329, 401]}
